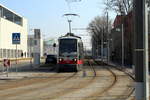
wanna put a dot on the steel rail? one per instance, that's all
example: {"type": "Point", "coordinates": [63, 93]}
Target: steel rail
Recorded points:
{"type": "Point", "coordinates": [127, 73]}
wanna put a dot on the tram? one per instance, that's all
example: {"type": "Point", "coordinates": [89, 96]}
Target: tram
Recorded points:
{"type": "Point", "coordinates": [70, 53]}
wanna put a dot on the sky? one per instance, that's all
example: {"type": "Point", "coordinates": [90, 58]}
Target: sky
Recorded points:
{"type": "Point", "coordinates": [47, 15]}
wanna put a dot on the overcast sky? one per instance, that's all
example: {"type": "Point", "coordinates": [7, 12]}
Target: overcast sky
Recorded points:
{"type": "Point", "coordinates": [48, 14]}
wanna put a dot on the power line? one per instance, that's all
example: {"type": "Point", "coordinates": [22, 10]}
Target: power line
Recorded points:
{"type": "Point", "coordinates": [70, 1]}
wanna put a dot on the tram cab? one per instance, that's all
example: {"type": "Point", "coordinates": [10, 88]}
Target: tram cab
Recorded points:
{"type": "Point", "coordinates": [70, 53]}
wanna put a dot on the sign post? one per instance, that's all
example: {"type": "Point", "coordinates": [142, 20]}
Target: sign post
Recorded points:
{"type": "Point", "coordinates": [16, 41]}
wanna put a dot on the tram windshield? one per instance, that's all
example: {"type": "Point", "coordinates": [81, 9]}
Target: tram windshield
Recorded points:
{"type": "Point", "coordinates": [68, 47]}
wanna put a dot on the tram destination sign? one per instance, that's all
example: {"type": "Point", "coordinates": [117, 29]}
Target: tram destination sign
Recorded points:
{"type": "Point", "coordinates": [15, 38]}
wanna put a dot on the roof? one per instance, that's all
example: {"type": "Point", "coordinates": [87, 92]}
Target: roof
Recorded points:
{"type": "Point", "coordinates": [70, 35]}
{"type": "Point", "coordinates": [118, 20]}
{"type": "Point", "coordinates": [10, 10]}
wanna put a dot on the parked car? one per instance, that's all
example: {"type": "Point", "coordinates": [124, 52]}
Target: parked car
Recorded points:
{"type": "Point", "coordinates": [51, 59]}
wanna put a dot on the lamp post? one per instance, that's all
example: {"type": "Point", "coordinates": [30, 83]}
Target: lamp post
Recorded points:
{"type": "Point", "coordinates": [30, 52]}
{"type": "Point", "coordinates": [108, 47]}
{"type": "Point", "coordinates": [108, 55]}
{"type": "Point", "coordinates": [102, 45]}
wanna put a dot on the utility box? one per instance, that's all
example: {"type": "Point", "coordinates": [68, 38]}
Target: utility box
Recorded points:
{"type": "Point", "coordinates": [36, 54]}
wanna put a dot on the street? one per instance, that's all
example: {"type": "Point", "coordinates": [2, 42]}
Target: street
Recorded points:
{"type": "Point", "coordinates": [46, 84]}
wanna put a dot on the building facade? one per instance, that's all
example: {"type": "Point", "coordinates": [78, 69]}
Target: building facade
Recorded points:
{"type": "Point", "coordinates": [116, 36]}
{"type": "Point", "coordinates": [11, 22]}
{"type": "Point", "coordinates": [31, 44]}
{"type": "Point", "coordinates": [49, 47]}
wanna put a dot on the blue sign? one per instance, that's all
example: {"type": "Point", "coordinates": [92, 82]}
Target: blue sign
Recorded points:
{"type": "Point", "coordinates": [15, 38]}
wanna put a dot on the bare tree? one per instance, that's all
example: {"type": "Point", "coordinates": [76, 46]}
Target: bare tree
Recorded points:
{"type": "Point", "coordinates": [98, 26]}
{"type": "Point", "coordinates": [122, 7]}
{"type": "Point", "coordinates": [98, 30]}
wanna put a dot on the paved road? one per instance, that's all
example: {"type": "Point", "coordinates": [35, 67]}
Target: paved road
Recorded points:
{"type": "Point", "coordinates": [42, 84]}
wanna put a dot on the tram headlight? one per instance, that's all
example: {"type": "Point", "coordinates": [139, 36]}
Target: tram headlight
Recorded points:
{"type": "Point", "coordinates": [75, 59]}
{"type": "Point", "coordinates": [60, 59]}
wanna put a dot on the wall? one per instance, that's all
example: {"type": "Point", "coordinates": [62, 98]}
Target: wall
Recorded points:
{"type": "Point", "coordinates": [6, 30]}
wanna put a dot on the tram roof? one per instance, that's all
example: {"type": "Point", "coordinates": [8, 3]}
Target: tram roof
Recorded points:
{"type": "Point", "coordinates": [70, 35]}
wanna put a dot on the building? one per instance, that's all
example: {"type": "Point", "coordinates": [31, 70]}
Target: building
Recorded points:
{"type": "Point", "coordinates": [49, 47]}
{"type": "Point", "coordinates": [11, 22]}
{"type": "Point", "coordinates": [116, 37]}
{"type": "Point", "coordinates": [30, 47]}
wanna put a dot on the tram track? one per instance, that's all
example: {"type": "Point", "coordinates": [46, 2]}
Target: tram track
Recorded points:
{"type": "Point", "coordinates": [24, 82]}
{"type": "Point", "coordinates": [69, 86]}
{"type": "Point", "coordinates": [83, 84]}
{"type": "Point", "coordinates": [128, 91]}
{"type": "Point", "coordinates": [94, 71]}
{"type": "Point", "coordinates": [111, 83]}
{"type": "Point", "coordinates": [131, 90]}
{"type": "Point", "coordinates": [34, 85]}
{"type": "Point", "coordinates": [96, 95]}
{"type": "Point", "coordinates": [91, 85]}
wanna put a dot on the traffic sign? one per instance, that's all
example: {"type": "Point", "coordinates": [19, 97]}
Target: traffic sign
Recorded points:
{"type": "Point", "coordinates": [6, 62]}
{"type": "Point", "coordinates": [15, 38]}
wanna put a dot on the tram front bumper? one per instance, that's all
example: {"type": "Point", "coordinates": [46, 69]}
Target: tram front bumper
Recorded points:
{"type": "Point", "coordinates": [67, 66]}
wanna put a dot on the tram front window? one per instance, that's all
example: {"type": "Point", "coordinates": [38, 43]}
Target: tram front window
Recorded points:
{"type": "Point", "coordinates": [68, 47]}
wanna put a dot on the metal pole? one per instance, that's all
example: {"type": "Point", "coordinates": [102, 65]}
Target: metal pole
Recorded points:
{"type": "Point", "coordinates": [122, 45]}
{"type": "Point", "coordinates": [141, 50]}
{"type": "Point", "coordinates": [7, 70]}
{"type": "Point", "coordinates": [16, 57]}
{"type": "Point", "coordinates": [30, 55]}
{"type": "Point", "coordinates": [69, 21]}
{"type": "Point", "coordinates": [54, 50]}
{"type": "Point", "coordinates": [3, 61]}
{"type": "Point", "coordinates": [108, 55]}
{"type": "Point", "coordinates": [102, 44]}
{"type": "Point", "coordinates": [146, 54]}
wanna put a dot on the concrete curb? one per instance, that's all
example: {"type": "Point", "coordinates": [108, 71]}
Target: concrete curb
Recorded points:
{"type": "Point", "coordinates": [19, 59]}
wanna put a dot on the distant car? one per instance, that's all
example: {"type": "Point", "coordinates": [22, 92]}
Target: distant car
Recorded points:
{"type": "Point", "coordinates": [51, 59]}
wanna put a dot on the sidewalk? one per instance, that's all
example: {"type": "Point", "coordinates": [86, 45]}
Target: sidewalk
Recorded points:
{"type": "Point", "coordinates": [126, 69]}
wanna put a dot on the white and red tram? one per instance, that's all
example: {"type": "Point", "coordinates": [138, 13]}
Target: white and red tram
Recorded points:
{"type": "Point", "coordinates": [70, 53]}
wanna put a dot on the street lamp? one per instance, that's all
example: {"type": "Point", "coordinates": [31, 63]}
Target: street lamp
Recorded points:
{"type": "Point", "coordinates": [108, 47]}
